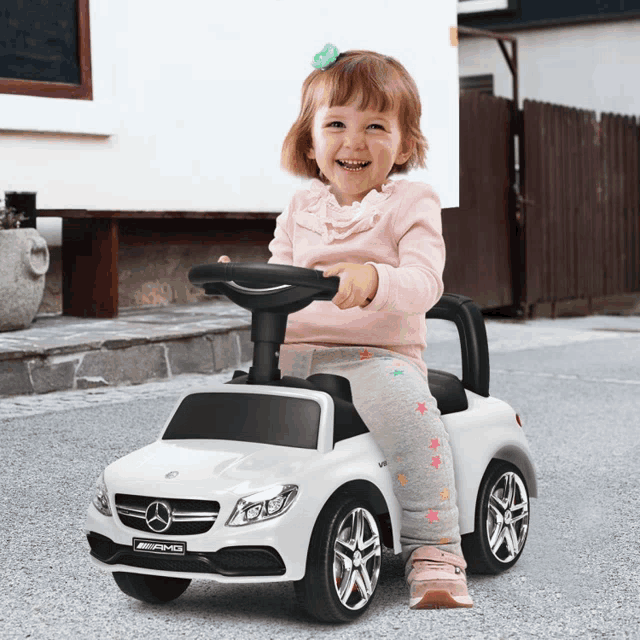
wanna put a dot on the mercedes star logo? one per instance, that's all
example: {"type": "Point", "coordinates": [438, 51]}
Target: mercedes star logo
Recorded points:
{"type": "Point", "coordinates": [158, 516]}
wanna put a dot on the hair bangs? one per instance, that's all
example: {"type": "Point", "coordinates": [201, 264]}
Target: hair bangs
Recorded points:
{"type": "Point", "coordinates": [362, 82]}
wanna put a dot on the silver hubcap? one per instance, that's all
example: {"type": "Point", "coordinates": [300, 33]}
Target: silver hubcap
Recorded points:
{"type": "Point", "coordinates": [508, 517]}
{"type": "Point", "coordinates": [357, 556]}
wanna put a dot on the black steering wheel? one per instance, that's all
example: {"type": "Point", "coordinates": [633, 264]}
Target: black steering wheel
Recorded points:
{"type": "Point", "coordinates": [256, 286]}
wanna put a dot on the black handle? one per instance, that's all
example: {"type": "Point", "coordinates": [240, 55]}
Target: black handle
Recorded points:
{"type": "Point", "coordinates": [467, 317]}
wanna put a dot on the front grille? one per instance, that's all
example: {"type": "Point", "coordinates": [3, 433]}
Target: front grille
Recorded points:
{"type": "Point", "coordinates": [189, 517]}
{"type": "Point", "coordinates": [231, 561]}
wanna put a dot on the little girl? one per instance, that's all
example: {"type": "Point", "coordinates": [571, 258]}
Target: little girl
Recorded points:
{"type": "Point", "coordinates": [359, 123]}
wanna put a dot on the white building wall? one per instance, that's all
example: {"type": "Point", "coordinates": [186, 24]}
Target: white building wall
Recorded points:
{"type": "Point", "coordinates": [191, 107]}
{"type": "Point", "coordinates": [594, 66]}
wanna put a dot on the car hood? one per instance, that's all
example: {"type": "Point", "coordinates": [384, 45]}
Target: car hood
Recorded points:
{"type": "Point", "coordinates": [199, 467]}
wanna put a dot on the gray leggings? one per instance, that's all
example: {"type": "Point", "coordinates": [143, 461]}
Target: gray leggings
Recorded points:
{"type": "Point", "coordinates": [393, 398]}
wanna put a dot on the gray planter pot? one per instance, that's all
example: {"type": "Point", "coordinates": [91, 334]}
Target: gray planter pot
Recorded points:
{"type": "Point", "coordinates": [24, 260]}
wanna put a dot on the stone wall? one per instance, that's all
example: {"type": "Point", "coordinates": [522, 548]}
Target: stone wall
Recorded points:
{"type": "Point", "coordinates": [154, 275]}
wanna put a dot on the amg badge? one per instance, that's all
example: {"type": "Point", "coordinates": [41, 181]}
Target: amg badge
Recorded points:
{"type": "Point", "coordinates": [158, 546]}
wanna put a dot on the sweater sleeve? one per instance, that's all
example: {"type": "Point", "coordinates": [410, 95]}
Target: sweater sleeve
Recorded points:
{"type": "Point", "coordinates": [281, 247]}
{"type": "Point", "coordinates": [416, 284]}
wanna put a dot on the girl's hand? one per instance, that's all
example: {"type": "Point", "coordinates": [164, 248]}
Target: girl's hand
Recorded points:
{"type": "Point", "coordinates": [357, 283]}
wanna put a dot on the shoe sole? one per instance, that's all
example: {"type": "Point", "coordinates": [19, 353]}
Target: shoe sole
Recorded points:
{"type": "Point", "coordinates": [440, 599]}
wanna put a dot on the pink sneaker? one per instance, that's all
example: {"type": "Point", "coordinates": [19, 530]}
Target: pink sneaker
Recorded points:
{"type": "Point", "coordinates": [437, 579]}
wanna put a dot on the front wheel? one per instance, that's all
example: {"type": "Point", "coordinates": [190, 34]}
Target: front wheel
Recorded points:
{"type": "Point", "coordinates": [501, 520]}
{"type": "Point", "coordinates": [343, 562]}
{"type": "Point", "coordinates": [151, 589]}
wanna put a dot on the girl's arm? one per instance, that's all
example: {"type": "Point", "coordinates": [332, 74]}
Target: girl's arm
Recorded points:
{"type": "Point", "coordinates": [281, 247]}
{"type": "Point", "coordinates": [415, 285]}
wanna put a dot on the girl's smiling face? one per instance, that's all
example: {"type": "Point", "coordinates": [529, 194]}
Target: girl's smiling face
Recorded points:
{"type": "Point", "coordinates": [344, 133]}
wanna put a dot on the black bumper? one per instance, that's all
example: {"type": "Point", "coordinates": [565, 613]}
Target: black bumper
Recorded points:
{"type": "Point", "coordinates": [230, 561]}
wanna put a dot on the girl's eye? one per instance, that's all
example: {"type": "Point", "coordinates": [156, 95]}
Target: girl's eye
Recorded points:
{"type": "Point", "coordinates": [371, 125]}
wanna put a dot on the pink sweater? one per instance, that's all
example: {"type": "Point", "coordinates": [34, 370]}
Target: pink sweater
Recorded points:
{"type": "Point", "coordinates": [399, 232]}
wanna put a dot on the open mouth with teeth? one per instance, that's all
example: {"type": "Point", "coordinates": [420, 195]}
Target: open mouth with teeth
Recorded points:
{"type": "Point", "coordinates": [353, 166]}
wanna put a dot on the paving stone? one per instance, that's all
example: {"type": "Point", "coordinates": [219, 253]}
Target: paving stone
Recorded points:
{"type": "Point", "coordinates": [10, 353]}
{"type": "Point", "coordinates": [194, 355]}
{"type": "Point", "coordinates": [120, 343]}
{"type": "Point", "coordinates": [93, 382]}
{"type": "Point", "coordinates": [72, 347]}
{"type": "Point", "coordinates": [226, 350]}
{"type": "Point", "coordinates": [132, 365]}
{"type": "Point", "coordinates": [14, 378]}
{"type": "Point", "coordinates": [246, 346]}
{"type": "Point", "coordinates": [48, 376]}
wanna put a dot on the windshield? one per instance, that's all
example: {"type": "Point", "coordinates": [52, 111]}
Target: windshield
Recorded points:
{"type": "Point", "coordinates": [250, 417]}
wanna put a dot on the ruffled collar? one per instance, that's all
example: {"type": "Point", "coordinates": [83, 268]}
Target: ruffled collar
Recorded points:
{"type": "Point", "coordinates": [325, 216]}
{"type": "Point", "coordinates": [373, 199]}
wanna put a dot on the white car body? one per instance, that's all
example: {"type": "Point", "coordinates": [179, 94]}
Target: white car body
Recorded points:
{"type": "Point", "coordinates": [226, 471]}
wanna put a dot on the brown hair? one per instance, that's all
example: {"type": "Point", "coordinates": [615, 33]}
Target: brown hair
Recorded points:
{"type": "Point", "coordinates": [378, 80]}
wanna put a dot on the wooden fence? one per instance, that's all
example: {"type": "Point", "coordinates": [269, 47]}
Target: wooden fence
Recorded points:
{"type": "Point", "coordinates": [478, 234]}
{"type": "Point", "coordinates": [582, 208]}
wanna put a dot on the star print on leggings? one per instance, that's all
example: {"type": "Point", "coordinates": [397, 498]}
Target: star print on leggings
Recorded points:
{"type": "Point", "coordinates": [422, 407]}
{"type": "Point", "coordinates": [394, 369]}
{"type": "Point", "coordinates": [436, 462]}
{"type": "Point", "coordinates": [432, 516]}
{"type": "Point", "coordinates": [435, 443]}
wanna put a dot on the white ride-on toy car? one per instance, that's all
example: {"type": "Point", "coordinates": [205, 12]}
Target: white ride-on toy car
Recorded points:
{"type": "Point", "coordinates": [268, 478]}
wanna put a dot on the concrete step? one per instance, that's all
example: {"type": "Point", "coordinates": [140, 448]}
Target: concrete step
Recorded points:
{"type": "Point", "coordinates": [57, 353]}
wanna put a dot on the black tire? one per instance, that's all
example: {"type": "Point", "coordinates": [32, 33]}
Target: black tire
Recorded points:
{"type": "Point", "coordinates": [151, 589]}
{"type": "Point", "coordinates": [513, 529]}
{"type": "Point", "coordinates": [318, 592]}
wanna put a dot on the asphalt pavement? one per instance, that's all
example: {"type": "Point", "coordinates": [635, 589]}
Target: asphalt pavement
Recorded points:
{"type": "Point", "coordinates": [574, 381]}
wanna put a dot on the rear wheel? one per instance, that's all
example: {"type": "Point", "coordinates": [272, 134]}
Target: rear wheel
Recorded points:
{"type": "Point", "coordinates": [151, 589]}
{"type": "Point", "coordinates": [343, 562]}
{"type": "Point", "coordinates": [501, 520]}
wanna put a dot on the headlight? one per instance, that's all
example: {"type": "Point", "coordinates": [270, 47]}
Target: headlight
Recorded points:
{"type": "Point", "coordinates": [101, 497]}
{"type": "Point", "coordinates": [267, 504]}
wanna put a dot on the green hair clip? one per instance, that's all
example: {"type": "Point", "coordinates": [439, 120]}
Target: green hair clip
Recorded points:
{"type": "Point", "coordinates": [326, 57]}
